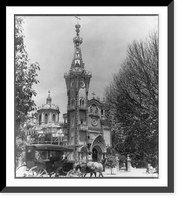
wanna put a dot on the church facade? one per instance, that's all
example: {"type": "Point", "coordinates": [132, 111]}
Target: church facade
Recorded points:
{"type": "Point", "coordinates": [88, 131]}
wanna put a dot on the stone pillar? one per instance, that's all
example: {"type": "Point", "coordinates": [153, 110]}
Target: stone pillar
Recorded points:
{"type": "Point", "coordinates": [128, 163]}
{"type": "Point", "coordinates": [50, 117]}
{"type": "Point", "coordinates": [89, 157]}
{"type": "Point", "coordinates": [56, 117]}
{"type": "Point", "coordinates": [42, 118]}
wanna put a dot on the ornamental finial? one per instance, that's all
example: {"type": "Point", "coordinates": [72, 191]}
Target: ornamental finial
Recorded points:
{"type": "Point", "coordinates": [77, 26]}
{"type": "Point", "coordinates": [49, 99]}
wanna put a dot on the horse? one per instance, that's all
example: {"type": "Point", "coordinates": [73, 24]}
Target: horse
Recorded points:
{"type": "Point", "coordinates": [92, 168]}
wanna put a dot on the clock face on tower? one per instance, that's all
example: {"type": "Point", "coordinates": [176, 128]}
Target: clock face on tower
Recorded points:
{"type": "Point", "coordinates": [94, 122]}
{"type": "Point", "coordinates": [82, 84]}
{"type": "Point", "coordinates": [72, 84]}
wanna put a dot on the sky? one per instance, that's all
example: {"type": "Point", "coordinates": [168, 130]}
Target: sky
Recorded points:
{"type": "Point", "coordinates": [49, 41]}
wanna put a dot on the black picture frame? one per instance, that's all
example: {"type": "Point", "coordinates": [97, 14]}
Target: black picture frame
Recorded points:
{"type": "Point", "coordinates": [166, 189]}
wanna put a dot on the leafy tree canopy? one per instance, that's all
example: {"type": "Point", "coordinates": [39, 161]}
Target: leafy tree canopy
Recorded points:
{"type": "Point", "coordinates": [25, 77]}
{"type": "Point", "coordinates": [132, 101]}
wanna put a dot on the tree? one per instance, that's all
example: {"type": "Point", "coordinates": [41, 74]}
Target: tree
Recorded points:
{"type": "Point", "coordinates": [25, 77]}
{"type": "Point", "coordinates": [132, 101]}
{"type": "Point", "coordinates": [111, 162]}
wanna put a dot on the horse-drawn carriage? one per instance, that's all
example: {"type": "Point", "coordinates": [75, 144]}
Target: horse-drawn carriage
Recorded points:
{"type": "Point", "coordinates": [46, 160]}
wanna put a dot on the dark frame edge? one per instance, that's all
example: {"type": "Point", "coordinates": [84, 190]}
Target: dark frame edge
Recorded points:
{"type": "Point", "coordinates": [86, 190]}
{"type": "Point", "coordinates": [171, 97]}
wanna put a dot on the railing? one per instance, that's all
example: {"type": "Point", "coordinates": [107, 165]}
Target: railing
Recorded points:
{"type": "Point", "coordinates": [71, 73]}
{"type": "Point", "coordinates": [70, 107]}
{"type": "Point", "coordinates": [84, 107]}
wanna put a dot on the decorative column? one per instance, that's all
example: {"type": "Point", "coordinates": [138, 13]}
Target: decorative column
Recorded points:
{"type": "Point", "coordinates": [76, 118]}
{"type": "Point", "coordinates": [86, 117]}
{"type": "Point", "coordinates": [68, 119]}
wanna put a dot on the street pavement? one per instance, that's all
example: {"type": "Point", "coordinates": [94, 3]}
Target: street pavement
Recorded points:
{"type": "Point", "coordinates": [134, 172]}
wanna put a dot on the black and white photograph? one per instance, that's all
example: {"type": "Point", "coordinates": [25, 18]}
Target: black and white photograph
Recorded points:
{"type": "Point", "coordinates": [87, 99]}
{"type": "Point", "coordinates": [86, 94]}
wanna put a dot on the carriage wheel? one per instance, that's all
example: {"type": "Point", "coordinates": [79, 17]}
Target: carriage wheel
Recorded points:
{"type": "Point", "coordinates": [37, 172]}
{"type": "Point", "coordinates": [70, 173]}
{"type": "Point", "coordinates": [21, 171]}
{"type": "Point", "coordinates": [73, 173]}
{"type": "Point", "coordinates": [57, 172]}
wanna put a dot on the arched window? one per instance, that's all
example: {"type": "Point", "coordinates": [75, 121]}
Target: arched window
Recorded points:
{"type": "Point", "coordinates": [72, 102]}
{"type": "Point", "coordinates": [53, 117]}
{"type": "Point", "coordinates": [39, 119]}
{"type": "Point", "coordinates": [81, 101]}
{"type": "Point", "coordinates": [46, 118]}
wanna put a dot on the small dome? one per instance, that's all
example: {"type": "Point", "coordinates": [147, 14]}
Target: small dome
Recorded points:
{"type": "Point", "coordinates": [48, 104]}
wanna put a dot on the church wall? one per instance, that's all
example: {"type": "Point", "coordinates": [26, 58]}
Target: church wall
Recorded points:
{"type": "Point", "coordinates": [72, 132]}
{"type": "Point", "coordinates": [82, 93]}
{"type": "Point", "coordinates": [72, 127]}
{"type": "Point", "coordinates": [94, 127]}
{"type": "Point", "coordinates": [82, 137]}
{"type": "Point", "coordinates": [72, 116]}
{"type": "Point", "coordinates": [72, 93]}
{"type": "Point", "coordinates": [107, 137]}
{"type": "Point", "coordinates": [82, 116]}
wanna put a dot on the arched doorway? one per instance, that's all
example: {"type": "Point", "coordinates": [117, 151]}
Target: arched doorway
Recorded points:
{"type": "Point", "coordinates": [98, 148]}
{"type": "Point", "coordinates": [96, 153]}
{"type": "Point", "coordinates": [82, 154]}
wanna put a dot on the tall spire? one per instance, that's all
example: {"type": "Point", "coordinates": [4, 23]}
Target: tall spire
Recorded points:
{"type": "Point", "coordinates": [77, 62]}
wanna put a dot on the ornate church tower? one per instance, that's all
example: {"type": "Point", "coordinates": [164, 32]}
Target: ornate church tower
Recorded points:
{"type": "Point", "coordinates": [77, 82]}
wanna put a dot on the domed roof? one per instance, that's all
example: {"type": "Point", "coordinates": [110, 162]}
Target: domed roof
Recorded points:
{"type": "Point", "coordinates": [49, 104]}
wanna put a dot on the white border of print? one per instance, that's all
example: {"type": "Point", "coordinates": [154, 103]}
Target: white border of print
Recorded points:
{"type": "Point", "coordinates": [163, 102]}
